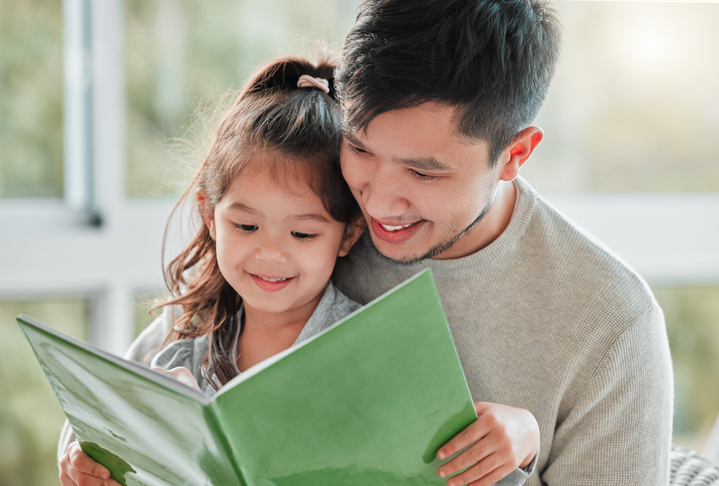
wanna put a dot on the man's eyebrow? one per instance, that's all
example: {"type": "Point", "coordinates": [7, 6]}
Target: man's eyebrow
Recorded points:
{"type": "Point", "coordinates": [428, 163]}
{"type": "Point", "coordinates": [422, 164]}
{"type": "Point", "coordinates": [351, 138]}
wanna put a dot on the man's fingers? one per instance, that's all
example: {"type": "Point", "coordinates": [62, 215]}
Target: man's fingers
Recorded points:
{"type": "Point", "coordinates": [493, 477]}
{"type": "Point", "coordinates": [467, 458]}
{"type": "Point", "coordinates": [486, 472]}
{"type": "Point", "coordinates": [474, 431]}
{"type": "Point", "coordinates": [481, 407]}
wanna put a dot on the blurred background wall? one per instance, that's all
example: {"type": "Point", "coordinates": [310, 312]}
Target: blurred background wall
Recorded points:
{"type": "Point", "coordinates": [102, 121]}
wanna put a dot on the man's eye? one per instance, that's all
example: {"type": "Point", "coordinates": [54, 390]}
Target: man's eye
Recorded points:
{"type": "Point", "coordinates": [356, 149]}
{"type": "Point", "coordinates": [423, 177]}
{"type": "Point", "coordinates": [247, 228]}
{"type": "Point", "coordinates": [303, 236]}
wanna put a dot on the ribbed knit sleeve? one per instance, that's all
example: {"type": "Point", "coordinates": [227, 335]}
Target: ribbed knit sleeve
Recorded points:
{"type": "Point", "coordinates": [617, 428]}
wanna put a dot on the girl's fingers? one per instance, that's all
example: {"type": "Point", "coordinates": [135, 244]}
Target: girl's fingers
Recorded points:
{"type": "Point", "coordinates": [65, 480]}
{"type": "Point", "coordinates": [82, 479]}
{"type": "Point", "coordinates": [87, 465]}
{"type": "Point", "coordinates": [181, 373]}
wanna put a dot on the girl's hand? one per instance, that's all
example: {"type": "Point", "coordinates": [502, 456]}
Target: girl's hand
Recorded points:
{"type": "Point", "coordinates": [501, 439]}
{"type": "Point", "coordinates": [79, 469]}
{"type": "Point", "coordinates": [182, 374]}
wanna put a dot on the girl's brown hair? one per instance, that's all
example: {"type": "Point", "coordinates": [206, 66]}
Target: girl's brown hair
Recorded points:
{"type": "Point", "coordinates": [300, 128]}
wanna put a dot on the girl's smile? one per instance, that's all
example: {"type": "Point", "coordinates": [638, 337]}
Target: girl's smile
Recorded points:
{"type": "Point", "coordinates": [271, 283]}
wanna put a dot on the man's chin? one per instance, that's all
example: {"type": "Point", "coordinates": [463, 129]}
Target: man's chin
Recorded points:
{"type": "Point", "coordinates": [400, 254]}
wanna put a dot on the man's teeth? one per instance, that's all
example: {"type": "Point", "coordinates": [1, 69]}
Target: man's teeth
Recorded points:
{"type": "Point", "coordinates": [395, 228]}
{"type": "Point", "coordinates": [273, 279]}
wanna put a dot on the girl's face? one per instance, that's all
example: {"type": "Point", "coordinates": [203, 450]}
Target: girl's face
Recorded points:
{"type": "Point", "coordinates": [276, 246]}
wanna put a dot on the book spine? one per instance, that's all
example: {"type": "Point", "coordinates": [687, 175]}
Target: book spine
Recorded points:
{"type": "Point", "coordinates": [214, 422]}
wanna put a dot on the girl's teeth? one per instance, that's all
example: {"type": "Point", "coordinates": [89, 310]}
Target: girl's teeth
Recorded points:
{"type": "Point", "coordinates": [274, 279]}
{"type": "Point", "coordinates": [395, 228]}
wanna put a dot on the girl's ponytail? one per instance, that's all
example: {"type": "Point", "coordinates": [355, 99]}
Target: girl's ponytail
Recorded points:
{"type": "Point", "coordinates": [284, 73]}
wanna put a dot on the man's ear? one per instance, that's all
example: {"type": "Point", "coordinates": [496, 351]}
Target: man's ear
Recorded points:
{"type": "Point", "coordinates": [517, 153]}
{"type": "Point", "coordinates": [352, 233]}
{"type": "Point", "coordinates": [208, 216]}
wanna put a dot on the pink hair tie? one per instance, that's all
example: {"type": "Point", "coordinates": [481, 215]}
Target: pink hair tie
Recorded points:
{"type": "Point", "coordinates": [307, 81]}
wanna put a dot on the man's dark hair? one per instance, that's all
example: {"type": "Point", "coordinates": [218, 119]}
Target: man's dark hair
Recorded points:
{"type": "Point", "coordinates": [491, 59]}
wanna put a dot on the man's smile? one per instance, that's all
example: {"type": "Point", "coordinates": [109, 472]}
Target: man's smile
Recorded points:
{"type": "Point", "coordinates": [393, 233]}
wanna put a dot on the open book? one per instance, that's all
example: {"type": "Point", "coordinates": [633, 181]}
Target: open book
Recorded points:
{"type": "Point", "coordinates": [367, 402]}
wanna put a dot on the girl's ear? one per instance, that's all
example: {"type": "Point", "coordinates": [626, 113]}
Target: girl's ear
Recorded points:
{"type": "Point", "coordinates": [207, 214]}
{"type": "Point", "coordinates": [352, 233]}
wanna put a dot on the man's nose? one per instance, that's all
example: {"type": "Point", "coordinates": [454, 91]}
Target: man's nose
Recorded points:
{"type": "Point", "coordinates": [382, 197]}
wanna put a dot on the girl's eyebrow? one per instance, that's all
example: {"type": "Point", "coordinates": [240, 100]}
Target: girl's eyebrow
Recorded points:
{"type": "Point", "coordinates": [238, 206]}
{"type": "Point", "coordinates": [311, 217]}
{"type": "Point", "coordinates": [242, 207]}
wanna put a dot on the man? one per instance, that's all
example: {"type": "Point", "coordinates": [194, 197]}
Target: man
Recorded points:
{"type": "Point", "coordinates": [438, 97]}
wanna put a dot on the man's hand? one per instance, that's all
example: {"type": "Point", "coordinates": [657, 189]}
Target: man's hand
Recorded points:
{"type": "Point", "coordinates": [79, 469]}
{"type": "Point", "coordinates": [181, 374]}
{"type": "Point", "coordinates": [501, 440]}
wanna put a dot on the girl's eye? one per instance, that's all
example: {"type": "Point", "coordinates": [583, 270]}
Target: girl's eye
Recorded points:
{"type": "Point", "coordinates": [423, 177]}
{"type": "Point", "coordinates": [303, 236]}
{"type": "Point", "coordinates": [246, 228]}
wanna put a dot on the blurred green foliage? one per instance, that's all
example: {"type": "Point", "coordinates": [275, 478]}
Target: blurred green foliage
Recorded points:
{"type": "Point", "coordinates": [185, 59]}
{"type": "Point", "coordinates": [30, 415]}
{"type": "Point", "coordinates": [31, 98]}
{"type": "Point", "coordinates": [143, 303]}
{"type": "Point", "coordinates": [692, 316]}
{"type": "Point", "coordinates": [633, 102]}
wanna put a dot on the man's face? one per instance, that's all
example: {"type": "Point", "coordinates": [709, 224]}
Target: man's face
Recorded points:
{"type": "Point", "coordinates": [423, 190]}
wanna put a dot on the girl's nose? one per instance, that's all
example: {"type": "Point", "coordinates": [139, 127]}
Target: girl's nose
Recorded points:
{"type": "Point", "coordinates": [271, 250]}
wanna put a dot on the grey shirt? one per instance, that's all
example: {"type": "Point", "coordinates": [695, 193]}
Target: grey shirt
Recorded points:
{"type": "Point", "coordinates": [190, 353]}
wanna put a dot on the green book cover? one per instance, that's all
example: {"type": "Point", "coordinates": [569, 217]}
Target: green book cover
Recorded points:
{"type": "Point", "coordinates": [366, 402]}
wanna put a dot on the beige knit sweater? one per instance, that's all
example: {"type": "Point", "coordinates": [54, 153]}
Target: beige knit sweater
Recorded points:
{"type": "Point", "coordinates": [547, 319]}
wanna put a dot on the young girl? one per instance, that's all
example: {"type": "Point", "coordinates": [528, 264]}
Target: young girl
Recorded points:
{"type": "Point", "coordinates": [275, 215]}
